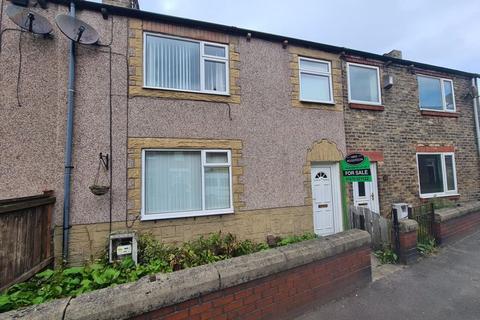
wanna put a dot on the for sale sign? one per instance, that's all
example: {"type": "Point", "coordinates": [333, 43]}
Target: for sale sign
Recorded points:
{"type": "Point", "coordinates": [356, 168]}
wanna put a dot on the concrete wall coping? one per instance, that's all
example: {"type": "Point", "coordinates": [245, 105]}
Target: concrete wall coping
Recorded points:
{"type": "Point", "coordinates": [446, 214]}
{"type": "Point", "coordinates": [152, 293]}
{"type": "Point", "coordinates": [408, 225]}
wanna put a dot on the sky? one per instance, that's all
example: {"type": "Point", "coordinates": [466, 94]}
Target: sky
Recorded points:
{"type": "Point", "coordinates": [439, 32]}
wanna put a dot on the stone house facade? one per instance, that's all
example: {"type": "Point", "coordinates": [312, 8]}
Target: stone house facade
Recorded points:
{"type": "Point", "coordinates": [400, 129]}
{"type": "Point", "coordinates": [244, 145]}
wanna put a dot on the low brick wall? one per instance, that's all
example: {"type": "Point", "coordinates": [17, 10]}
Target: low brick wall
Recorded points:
{"type": "Point", "coordinates": [453, 223]}
{"type": "Point", "coordinates": [272, 284]}
{"type": "Point", "coordinates": [408, 241]}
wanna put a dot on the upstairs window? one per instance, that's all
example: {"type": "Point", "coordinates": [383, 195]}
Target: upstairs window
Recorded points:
{"type": "Point", "coordinates": [186, 183]}
{"type": "Point", "coordinates": [363, 84]}
{"type": "Point", "coordinates": [436, 94]}
{"type": "Point", "coordinates": [185, 65]}
{"type": "Point", "coordinates": [315, 80]}
{"type": "Point", "coordinates": [437, 174]}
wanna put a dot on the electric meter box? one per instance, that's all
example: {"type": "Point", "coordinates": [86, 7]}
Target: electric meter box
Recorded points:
{"type": "Point", "coordinates": [122, 245]}
{"type": "Point", "coordinates": [402, 210]}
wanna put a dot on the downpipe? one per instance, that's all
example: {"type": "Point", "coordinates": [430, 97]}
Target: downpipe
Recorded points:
{"type": "Point", "coordinates": [475, 111]}
{"type": "Point", "coordinates": [68, 144]}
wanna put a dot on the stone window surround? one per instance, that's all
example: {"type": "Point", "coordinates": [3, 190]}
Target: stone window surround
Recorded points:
{"type": "Point", "coordinates": [135, 61]}
{"type": "Point", "coordinates": [336, 76]}
{"type": "Point", "coordinates": [134, 170]}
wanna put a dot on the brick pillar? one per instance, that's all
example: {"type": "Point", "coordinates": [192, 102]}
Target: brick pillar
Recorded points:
{"type": "Point", "coordinates": [408, 241]}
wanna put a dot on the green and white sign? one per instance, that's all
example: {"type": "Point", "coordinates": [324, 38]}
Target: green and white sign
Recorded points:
{"type": "Point", "coordinates": [356, 168]}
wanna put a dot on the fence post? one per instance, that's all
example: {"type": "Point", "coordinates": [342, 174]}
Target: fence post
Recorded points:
{"type": "Point", "coordinates": [396, 231]}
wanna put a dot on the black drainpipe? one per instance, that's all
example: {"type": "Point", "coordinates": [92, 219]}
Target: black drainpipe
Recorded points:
{"type": "Point", "coordinates": [68, 144]}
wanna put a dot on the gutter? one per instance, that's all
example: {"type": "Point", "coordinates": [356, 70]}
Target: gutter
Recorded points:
{"type": "Point", "coordinates": [68, 144]}
{"type": "Point", "coordinates": [151, 16]}
{"type": "Point", "coordinates": [475, 110]}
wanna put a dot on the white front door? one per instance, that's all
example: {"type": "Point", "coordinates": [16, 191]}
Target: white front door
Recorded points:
{"type": "Point", "coordinates": [326, 199]}
{"type": "Point", "coordinates": [365, 194]}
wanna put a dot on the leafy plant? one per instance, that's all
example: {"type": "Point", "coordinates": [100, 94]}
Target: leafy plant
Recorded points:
{"type": "Point", "coordinates": [154, 257]}
{"type": "Point", "coordinates": [387, 255]}
{"type": "Point", "coordinates": [294, 239]}
{"type": "Point", "coordinates": [427, 247]}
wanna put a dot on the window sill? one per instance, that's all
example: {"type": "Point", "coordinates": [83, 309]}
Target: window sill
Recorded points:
{"type": "Point", "coordinates": [445, 114]}
{"type": "Point", "coordinates": [327, 103]}
{"type": "Point", "coordinates": [371, 107]}
{"type": "Point", "coordinates": [224, 94]}
{"type": "Point", "coordinates": [439, 195]}
{"type": "Point", "coordinates": [177, 215]}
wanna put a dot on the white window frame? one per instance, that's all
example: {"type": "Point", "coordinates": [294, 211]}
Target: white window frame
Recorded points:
{"type": "Point", "coordinates": [350, 100]}
{"type": "Point", "coordinates": [446, 192]}
{"type": "Point", "coordinates": [442, 88]}
{"type": "Point", "coordinates": [203, 57]}
{"type": "Point", "coordinates": [316, 73]}
{"type": "Point", "coordinates": [198, 213]}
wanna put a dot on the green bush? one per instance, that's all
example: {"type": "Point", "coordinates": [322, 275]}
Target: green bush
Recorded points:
{"type": "Point", "coordinates": [153, 257]}
{"type": "Point", "coordinates": [294, 239]}
{"type": "Point", "coordinates": [387, 255]}
{"type": "Point", "coordinates": [427, 247]}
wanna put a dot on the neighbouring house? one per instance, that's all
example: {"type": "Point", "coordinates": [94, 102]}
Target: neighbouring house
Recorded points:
{"type": "Point", "coordinates": [416, 122]}
{"type": "Point", "coordinates": [214, 128]}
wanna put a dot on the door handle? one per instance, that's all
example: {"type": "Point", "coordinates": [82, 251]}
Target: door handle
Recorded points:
{"type": "Point", "coordinates": [372, 196]}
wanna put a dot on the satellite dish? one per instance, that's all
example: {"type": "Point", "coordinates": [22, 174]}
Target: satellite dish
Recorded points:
{"type": "Point", "coordinates": [76, 30]}
{"type": "Point", "coordinates": [28, 20]}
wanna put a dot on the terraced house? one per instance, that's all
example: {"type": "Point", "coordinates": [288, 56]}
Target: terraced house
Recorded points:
{"type": "Point", "coordinates": [214, 128]}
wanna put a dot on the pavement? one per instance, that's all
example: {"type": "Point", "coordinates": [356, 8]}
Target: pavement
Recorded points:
{"type": "Point", "coordinates": [439, 287]}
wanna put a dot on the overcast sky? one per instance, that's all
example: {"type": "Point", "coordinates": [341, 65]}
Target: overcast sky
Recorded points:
{"type": "Point", "coordinates": [439, 32]}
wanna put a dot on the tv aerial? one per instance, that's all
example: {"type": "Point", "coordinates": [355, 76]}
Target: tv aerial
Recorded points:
{"type": "Point", "coordinates": [76, 29]}
{"type": "Point", "coordinates": [29, 20]}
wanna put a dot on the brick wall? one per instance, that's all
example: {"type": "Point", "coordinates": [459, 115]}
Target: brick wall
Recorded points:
{"type": "Point", "coordinates": [280, 296]}
{"type": "Point", "coordinates": [449, 230]}
{"type": "Point", "coordinates": [401, 128]}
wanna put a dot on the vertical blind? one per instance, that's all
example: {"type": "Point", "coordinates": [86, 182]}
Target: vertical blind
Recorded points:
{"type": "Point", "coordinates": [180, 64]}
{"type": "Point", "coordinates": [173, 181]}
{"type": "Point", "coordinates": [172, 63]}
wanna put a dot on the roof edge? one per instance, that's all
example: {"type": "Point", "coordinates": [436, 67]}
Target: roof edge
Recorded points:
{"type": "Point", "coordinates": [147, 15]}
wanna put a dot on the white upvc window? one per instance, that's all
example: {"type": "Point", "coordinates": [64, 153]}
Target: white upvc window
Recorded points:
{"type": "Point", "coordinates": [437, 175]}
{"type": "Point", "coordinates": [185, 183]}
{"type": "Point", "coordinates": [180, 64]}
{"type": "Point", "coordinates": [315, 80]}
{"type": "Point", "coordinates": [435, 94]}
{"type": "Point", "coordinates": [363, 84]}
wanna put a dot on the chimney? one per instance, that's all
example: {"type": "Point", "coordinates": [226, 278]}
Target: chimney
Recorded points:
{"type": "Point", "coordinates": [132, 4]}
{"type": "Point", "coordinates": [397, 54]}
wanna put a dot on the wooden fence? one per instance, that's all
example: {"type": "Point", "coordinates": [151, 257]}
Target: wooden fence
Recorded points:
{"type": "Point", "coordinates": [378, 226]}
{"type": "Point", "coordinates": [25, 237]}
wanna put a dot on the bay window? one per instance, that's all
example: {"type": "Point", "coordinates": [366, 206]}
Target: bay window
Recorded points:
{"type": "Point", "coordinates": [185, 183]}
{"type": "Point", "coordinates": [436, 94]}
{"type": "Point", "coordinates": [315, 80]}
{"type": "Point", "coordinates": [185, 65]}
{"type": "Point", "coordinates": [363, 84]}
{"type": "Point", "coordinates": [436, 174]}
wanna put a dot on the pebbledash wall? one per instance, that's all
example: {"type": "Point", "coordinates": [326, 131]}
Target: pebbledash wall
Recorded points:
{"type": "Point", "coordinates": [393, 133]}
{"type": "Point", "coordinates": [274, 139]}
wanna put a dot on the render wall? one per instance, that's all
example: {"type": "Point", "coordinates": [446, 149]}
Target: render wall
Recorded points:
{"type": "Point", "coordinates": [401, 129]}
{"type": "Point", "coordinates": [277, 137]}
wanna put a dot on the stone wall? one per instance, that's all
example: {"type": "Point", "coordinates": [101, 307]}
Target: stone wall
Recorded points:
{"type": "Point", "coordinates": [398, 129]}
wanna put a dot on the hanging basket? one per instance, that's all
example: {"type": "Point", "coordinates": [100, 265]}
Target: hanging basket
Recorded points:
{"type": "Point", "coordinates": [99, 190]}
{"type": "Point", "coordinates": [96, 188]}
